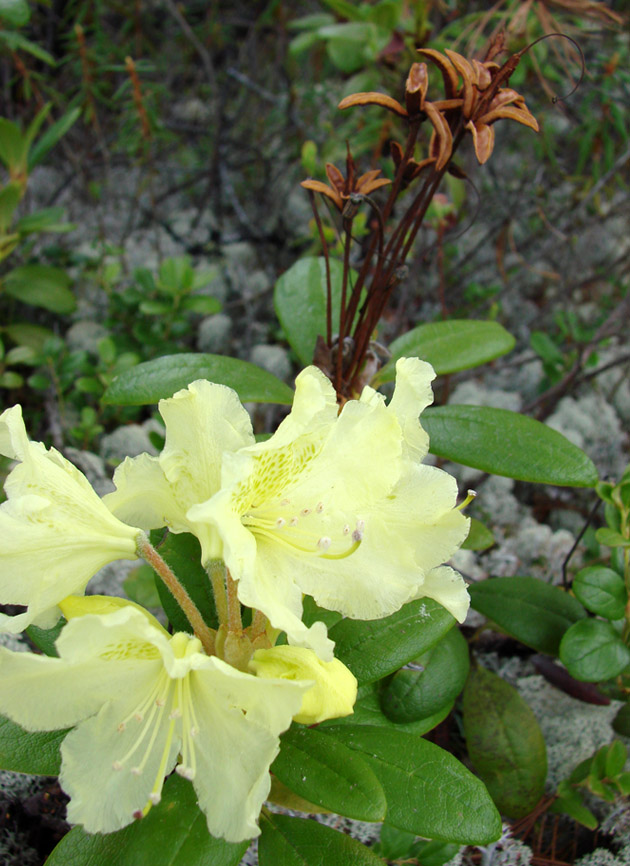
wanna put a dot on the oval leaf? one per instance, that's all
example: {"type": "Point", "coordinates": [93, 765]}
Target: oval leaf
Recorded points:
{"type": "Point", "coordinates": [428, 791]}
{"type": "Point", "coordinates": [458, 344]}
{"type": "Point", "coordinates": [286, 841]}
{"type": "Point", "coordinates": [300, 298]}
{"type": "Point", "coordinates": [507, 443]}
{"type": "Point", "coordinates": [529, 610]}
{"type": "Point", "coordinates": [367, 711]}
{"type": "Point", "coordinates": [593, 651]}
{"type": "Point", "coordinates": [41, 286]}
{"type": "Point", "coordinates": [479, 536]}
{"type": "Point", "coordinates": [174, 833]}
{"type": "Point", "coordinates": [327, 773]}
{"type": "Point", "coordinates": [377, 647]}
{"type": "Point", "coordinates": [602, 591]}
{"type": "Point", "coordinates": [505, 743]}
{"type": "Point", "coordinates": [431, 682]}
{"type": "Point", "coordinates": [154, 380]}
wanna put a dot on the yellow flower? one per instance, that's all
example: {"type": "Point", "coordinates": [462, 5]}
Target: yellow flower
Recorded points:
{"type": "Point", "coordinates": [202, 422]}
{"type": "Point", "coordinates": [55, 532]}
{"type": "Point", "coordinates": [335, 688]}
{"type": "Point", "coordinates": [339, 506]}
{"type": "Point", "coordinates": [142, 703]}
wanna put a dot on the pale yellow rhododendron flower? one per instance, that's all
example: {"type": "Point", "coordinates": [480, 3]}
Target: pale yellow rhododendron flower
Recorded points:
{"type": "Point", "coordinates": [55, 532]}
{"type": "Point", "coordinates": [202, 422]}
{"type": "Point", "coordinates": [339, 506]}
{"type": "Point", "coordinates": [143, 702]}
{"type": "Point", "coordinates": [335, 690]}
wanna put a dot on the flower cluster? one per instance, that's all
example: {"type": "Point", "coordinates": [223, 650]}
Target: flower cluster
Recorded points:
{"type": "Point", "coordinates": [335, 505]}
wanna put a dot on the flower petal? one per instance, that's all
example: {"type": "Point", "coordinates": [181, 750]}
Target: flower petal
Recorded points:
{"type": "Point", "coordinates": [446, 586]}
{"type": "Point", "coordinates": [412, 395]}
{"type": "Point", "coordinates": [56, 532]}
{"type": "Point", "coordinates": [240, 718]}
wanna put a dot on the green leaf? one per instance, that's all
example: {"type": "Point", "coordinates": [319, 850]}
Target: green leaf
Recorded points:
{"type": "Point", "coordinates": [621, 722]}
{"type": "Point", "coordinates": [507, 443]}
{"type": "Point", "coordinates": [206, 305]}
{"type": "Point", "coordinates": [528, 609]}
{"type": "Point", "coordinates": [479, 536]}
{"type": "Point", "coordinates": [611, 538]}
{"type": "Point", "coordinates": [374, 648]}
{"type": "Point", "coordinates": [615, 758]}
{"type": "Point", "coordinates": [25, 334]}
{"type": "Point", "coordinates": [140, 587]}
{"type": "Point", "coordinates": [174, 833]}
{"type": "Point", "coordinates": [574, 808]}
{"type": "Point", "coordinates": [329, 774]}
{"type": "Point", "coordinates": [286, 841]}
{"type": "Point", "coordinates": [46, 638]}
{"type": "Point", "coordinates": [25, 752]}
{"type": "Point", "coordinates": [395, 843]}
{"type": "Point", "coordinates": [53, 134]}
{"type": "Point", "coordinates": [431, 682]}
{"type": "Point", "coordinates": [428, 791]}
{"type": "Point", "coordinates": [10, 197]}
{"type": "Point", "coordinates": [367, 711]}
{"type": "Point", "coordinates": [505, 743]}
{"type": "Point", "coordinates": [176, 275]}
{"type": "Point", "coordinates": [593, 651]}
{"type": "Point", "coordinates": [300, 302]}
{"type": "Point", "coordinates": [16, 13]}
{"type": "Point", "coordinates": [153, 380]}
{"type": "Point", "coordinates": [434, 853]}
{"type": "Point", "coordinates": [41, 286]}
{"type": "Point", "coordinates": [602, 591]}
{"type": "Point", "coordinates": [458, 344]}
{"type": "Point", "coordinates": [11, 379]}
{"type": "Point", "coordinates": [46, 220]}
{"type": "Point", "coordinates": [16, 42]}
{"type": "Point", "coordinates": [11, 144]}
{"type": "Point", "coordinates": [182, 553]}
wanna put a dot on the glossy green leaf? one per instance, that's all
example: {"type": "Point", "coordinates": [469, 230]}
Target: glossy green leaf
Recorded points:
{"type": "Point", "coordinates": [140, 586]}
{"type": "Point", "coordinates": [41, 286]}
{"type": "Point", "coordinates": [25, 334]}
{"type": "Point", "coordinates": [457, 344]}
{"type": "Point", "coordinates": [394, 843]}
{"type": "Point", "coordinates": [593, 651]}
{"type": "Point", "coordinates": [602, 591]}
{"type": "Point", "coordinates": [528, 609]}
{"type": "Point", "coordinates": [429, 683]}
{"type": "Point", "coordinates": [616, 755]}
{"type": "Point", "coordinates": [570, 803]}
{"type": "Point", "coordinates": [367, 711]}
{"type": "Point", "coordinates": [10, 197]}
{"type": "Point", "coordinates": [505, 743]}
{"type": "Point", "coordinates": [25, 752]}
{"type": "Point", "coordinates": [300, 302]}
{"type": "Point", "coordinates": [428, 791]}
{"type": "Point", "coordinates": [286, 841]}
{"type": "Point", "coordinates": [174, 833]}
{"type": "Point", "coordinates": [182, 552]}
{"type": "Point", "coordinates": [479, 536]}
{"type": "Point", "coordinates": [329, 774]}
{"type": "Point", "coordinates": [434, 853]}
{"type": "Point", "coordinates": [46, 638]}
{"type": "Point", "coordinates": [507, 443]}
{"type": "Point", "coordinates": [153, 380]}
{"type": "Point", "coordinates": [49, 219]}
{"type": "Point", "coordinates": [377, 647]}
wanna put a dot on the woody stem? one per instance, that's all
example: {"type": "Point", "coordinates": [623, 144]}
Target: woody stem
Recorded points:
{"type": "Point", "coordinates": [205, 634]}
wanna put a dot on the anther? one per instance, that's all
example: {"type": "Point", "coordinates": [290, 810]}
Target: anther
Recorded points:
{"type": "Point", "coordinates": [155, 797]}
{"type": "Point", "coordinates": [324, 542]}
{"type": "Point", "coordinates": [185, 772]}
{"type": "Point", "coordinates": [360, 525]}
{"type": "Point", "coordinates": [121, 727]}
{"type": "Point", "coordinates": [346, 529]}
{"type": "Point", "coordinates": [471, 494]}
{"type": "Point", "coordinates": [280, 522]}
{"type": "Point", "coordinates": [136, 771]}
{"type": "Point", "coordinates": [175, 714]}
{"type": "Point", "coordinates": [117, 765]}
{"type": "Point", "coordinates": [319, 507]}
{"type": "Point", "coordinates": [357, 535]}
{"type": "Point", "coordinates": [305, 512]}
{"type": "Point", "coordinates": [138, 814]}
{"type": "Point", "coordinates": [159, 702]}
{"type": "Point", "coordinates": [284, 502]}
{"type": "Point", "coordinates": [293, 521]}
{"type": "Point", "coordinates": [138, 717]}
